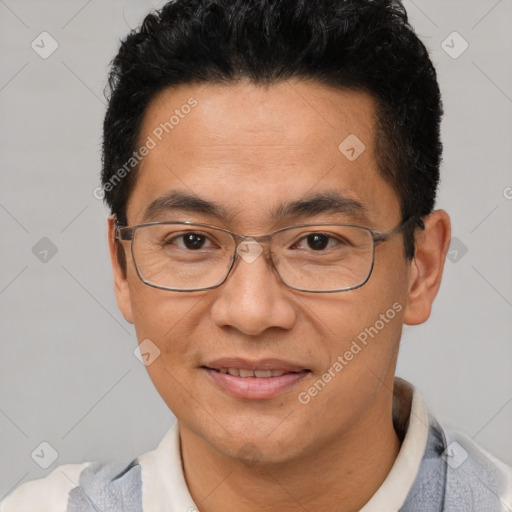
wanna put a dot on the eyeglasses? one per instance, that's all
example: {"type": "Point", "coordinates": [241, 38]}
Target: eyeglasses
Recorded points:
{"type": "Point", "coordinates": [318, 258]}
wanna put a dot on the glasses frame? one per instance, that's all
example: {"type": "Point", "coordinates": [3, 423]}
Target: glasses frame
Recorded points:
{"type": "Point", "coordinates": [127, 234]}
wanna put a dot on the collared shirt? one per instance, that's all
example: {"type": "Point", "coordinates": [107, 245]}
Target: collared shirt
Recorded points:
{"type": "Point", "coordinates": [435, 470]}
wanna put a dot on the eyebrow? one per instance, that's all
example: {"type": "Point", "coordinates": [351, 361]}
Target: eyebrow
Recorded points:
{"type": "Point", "coordinates": [310, 205]}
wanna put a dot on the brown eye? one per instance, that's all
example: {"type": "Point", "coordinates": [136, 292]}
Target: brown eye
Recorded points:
{"type": "Point", "coordinates": [191, 241]}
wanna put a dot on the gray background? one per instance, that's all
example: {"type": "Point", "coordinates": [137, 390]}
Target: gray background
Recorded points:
{"type": "Point", "coordinates": [67, 372]}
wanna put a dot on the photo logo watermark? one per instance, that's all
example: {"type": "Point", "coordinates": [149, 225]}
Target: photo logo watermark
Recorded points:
{"type": "Point", "coordinates": [146, 352]}
{"type": "Point", "coordinates": [352, 147]}
{"type": "Point", "coordinates": [152, 141]}
{"type": "Point", "coordinates": [250, 454]}
{"type": "Point", "coordinates": [44, 250]}
{"type": "Point", "coordinates": [44, 45]}
{"type": "Point", "coordinates": [454, 45]}
{"type": "Point", "coordinates": [458, 249]}
{"type": "Point", "coordinates": [249, 250]}
{"type": "Point", "coordinates": [355, 348]}
{"type": "Point", "coordinates": [455, 455]}
{"type": "Point", "coordinates": [44, 455]}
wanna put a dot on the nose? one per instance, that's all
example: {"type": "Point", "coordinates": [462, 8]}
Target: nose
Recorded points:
{"type": "Point", "coordinates": [253, 298]}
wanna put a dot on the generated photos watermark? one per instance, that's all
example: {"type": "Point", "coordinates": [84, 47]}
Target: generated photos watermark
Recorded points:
{"type": "Point", "coordinates": [152, 141]}
{"type": "Point", "coordinates": [343, 360]}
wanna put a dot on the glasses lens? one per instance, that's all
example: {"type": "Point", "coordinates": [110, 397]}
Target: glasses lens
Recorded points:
{"type": "Point", "coordinates": [182, 257]}
{"type": "Point", "coordinates": [324, 258]}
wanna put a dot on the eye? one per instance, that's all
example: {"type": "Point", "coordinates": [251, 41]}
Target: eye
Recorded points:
{"type": "Point", "coordinates": [318, 242]}
{"type": "Point", "coordinates": [190, 240]}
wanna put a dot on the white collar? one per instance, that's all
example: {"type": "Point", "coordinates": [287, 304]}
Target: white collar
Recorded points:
{"type": "Point", "coordinates": [163, 482]}
{"type": "Point", "coordinates": [164, 487]}
{"type": "Point", "coordinates": [391, 495]}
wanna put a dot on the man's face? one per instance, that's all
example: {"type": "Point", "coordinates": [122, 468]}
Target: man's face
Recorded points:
{"type": "Point", "coordinates": [250, 149]}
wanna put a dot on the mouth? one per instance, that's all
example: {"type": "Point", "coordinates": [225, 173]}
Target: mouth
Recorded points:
{"type": "Point", "coordinates": [244, 373]}
{"type": "Point", "coordinates": [254, 380]}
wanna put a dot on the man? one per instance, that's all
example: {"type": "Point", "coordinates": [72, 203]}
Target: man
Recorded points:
{"type": "Point", "coordinates": [271, 168]}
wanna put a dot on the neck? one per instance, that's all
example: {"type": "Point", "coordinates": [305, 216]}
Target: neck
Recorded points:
{"type": "Point", "coordinates": [340, 475]}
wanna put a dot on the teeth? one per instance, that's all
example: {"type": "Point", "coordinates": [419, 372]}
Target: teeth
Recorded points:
{"type": "Point", "coordinates": [263, 373]}
{"type": "Point", "coordinates": [240, 372]}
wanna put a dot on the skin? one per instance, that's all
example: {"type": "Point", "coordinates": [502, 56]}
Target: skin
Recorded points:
{"type": "Point", "coordinates": [251, 148]}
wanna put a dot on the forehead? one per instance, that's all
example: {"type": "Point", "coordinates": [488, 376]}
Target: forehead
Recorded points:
{"type": "Point", "coordinates": [251, 147]}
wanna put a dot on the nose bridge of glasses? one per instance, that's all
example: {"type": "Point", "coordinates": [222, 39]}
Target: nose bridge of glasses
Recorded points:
{"type": "Point", "coordinates": [259, 239]}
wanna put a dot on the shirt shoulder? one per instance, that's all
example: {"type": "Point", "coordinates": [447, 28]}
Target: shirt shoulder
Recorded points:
{"type": "Point", "coordinates": [48, 494]}
{"type": "Point", "coordinates": [86, 487]}
{"type": "Point", "coordinates": [474, 477]}
{"type": "Point", "coordinates": [458, 475]}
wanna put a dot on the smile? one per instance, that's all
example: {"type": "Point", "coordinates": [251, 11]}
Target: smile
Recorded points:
{"type": "Point", "coordinates": [254, 384]}
{"type": "Point", "coordinates": [240, 372]}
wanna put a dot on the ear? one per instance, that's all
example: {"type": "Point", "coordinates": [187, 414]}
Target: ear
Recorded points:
{"type": "Point", "coordinates": [426, 268]}
{"type": "Point", "coordinates": [121, 288]}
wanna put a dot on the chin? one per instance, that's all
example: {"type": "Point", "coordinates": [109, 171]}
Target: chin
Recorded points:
{"type": "Point", "coordinates": [258, 449]}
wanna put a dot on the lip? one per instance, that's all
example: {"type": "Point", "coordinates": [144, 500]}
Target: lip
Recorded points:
{"type": "Point", "coordinates": [255, 388]}
{"type": "Point", "coordinates": [262, 364]}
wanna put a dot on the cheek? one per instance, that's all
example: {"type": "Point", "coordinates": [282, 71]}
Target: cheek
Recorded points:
{"type": "Point", "coordinates": [391, 274]}
{"type": "Point", "coordinates": [379, 310]}
{"type": "Point", "coordinates": [362, 348]}
{"type": "Point", "coordinates": [365, 318]}
{"type": "Point", "coordinates": [362, 327]}
{"type": "Point", "coordinates": [168, 322]}
{"type": "Point", "coordinates": [166, 318]}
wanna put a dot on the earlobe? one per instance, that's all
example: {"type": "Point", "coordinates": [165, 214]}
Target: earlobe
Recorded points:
{"type": "Point", "coordinates": [121, 288]}
{"type": "Point", "coordinates": [426, 269]}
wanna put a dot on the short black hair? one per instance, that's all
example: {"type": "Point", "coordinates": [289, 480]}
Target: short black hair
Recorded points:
{"type": "Point", "coordinates": [365, 45]}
